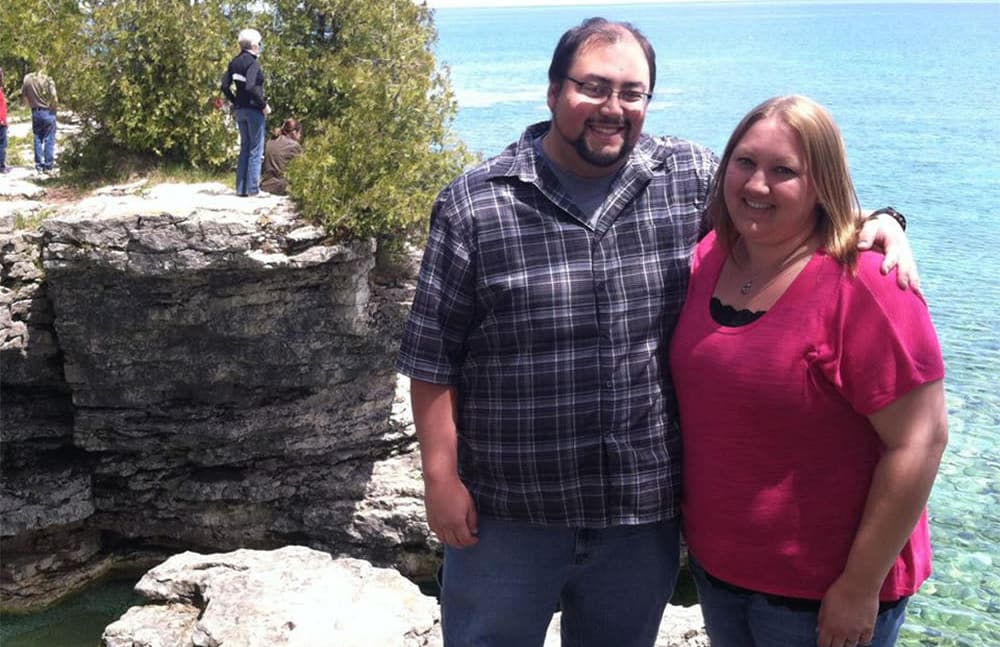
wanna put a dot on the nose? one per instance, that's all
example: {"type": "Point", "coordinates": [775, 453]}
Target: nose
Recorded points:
{"type": "Point", "coordinates": [612, 104]}
{"type": "Point", "coordinates": [757, 182]}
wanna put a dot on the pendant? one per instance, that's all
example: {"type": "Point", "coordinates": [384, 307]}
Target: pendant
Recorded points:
{"type": "Point", "coordinates": [745, 288]}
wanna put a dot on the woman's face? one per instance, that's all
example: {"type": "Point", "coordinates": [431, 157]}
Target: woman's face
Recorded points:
{"type": "Point", "coordinates": [768, 189]}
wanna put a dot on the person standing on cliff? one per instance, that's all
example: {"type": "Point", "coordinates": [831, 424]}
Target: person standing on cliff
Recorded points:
{"type": "Point", "coordinates": [547, 423]}
{"type": "Point", "coordinates": [39, 92]}
{"type": "Point", "coordinates": [251, 110]}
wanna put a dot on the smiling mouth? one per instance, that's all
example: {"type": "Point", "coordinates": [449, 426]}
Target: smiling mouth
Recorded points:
{"type": "Point", "coordinates": [606, 129]}
{"type": "Point", "coordinates": [755, 205]}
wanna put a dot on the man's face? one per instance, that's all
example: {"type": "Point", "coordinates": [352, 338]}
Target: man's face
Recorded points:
{"type": "Point", "coordinates": [592, 137]}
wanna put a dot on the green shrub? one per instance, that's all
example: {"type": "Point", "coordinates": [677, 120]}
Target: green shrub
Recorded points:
{"type": "Point", "coordinates": [376, 112]}
{"type": "Point", "coordinates": [146, 84]}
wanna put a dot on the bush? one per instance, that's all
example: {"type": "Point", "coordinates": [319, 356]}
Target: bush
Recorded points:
{"type": "Point", "coordinates": [147, 81]}
{"type": "Point", "coordinates": [376, 112]}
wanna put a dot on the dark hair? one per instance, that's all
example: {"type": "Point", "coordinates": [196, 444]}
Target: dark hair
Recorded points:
{"type": "Point", "coordinates": [596, 29]}
{"type": "Point", "coordinates": [291, 125]}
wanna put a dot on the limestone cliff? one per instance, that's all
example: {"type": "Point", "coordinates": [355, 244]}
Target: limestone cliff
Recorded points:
{"type": "Point", "coordinates": [184, 369]}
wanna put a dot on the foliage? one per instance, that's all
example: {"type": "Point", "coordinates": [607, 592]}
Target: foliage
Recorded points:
{"type": "Point", "coordinates": [376, 112]}
{"type": "Point", "coordinates": [37, 34]}
{"type": "Point", "coordinates": [143, 79]}
{"type": "Point", "coordinates": [148, 82]}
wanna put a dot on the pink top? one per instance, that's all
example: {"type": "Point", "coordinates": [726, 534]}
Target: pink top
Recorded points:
{"type": "Point", "coordinates": [778, 451]}
{"type": "Point", "coordinates": [3, 107]}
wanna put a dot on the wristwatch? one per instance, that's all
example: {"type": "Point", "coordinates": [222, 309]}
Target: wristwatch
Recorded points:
{"type": "Point", "coordinates": [891, 212]}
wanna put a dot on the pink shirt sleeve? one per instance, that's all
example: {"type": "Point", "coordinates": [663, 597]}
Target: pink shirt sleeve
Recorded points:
{"type": "Point", "coordinates": [883, 343]}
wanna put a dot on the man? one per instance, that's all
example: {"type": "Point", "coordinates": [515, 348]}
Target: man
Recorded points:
{"type": "Point", "coordinates": [251, 109]}
{"type": "Point", "coordinates": [552, 279]}
{"type": "Point", "coordinates": [39, 92]}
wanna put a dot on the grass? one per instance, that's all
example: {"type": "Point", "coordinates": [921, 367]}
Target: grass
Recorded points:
{"type": "Point", "coordinates": [33, 219]}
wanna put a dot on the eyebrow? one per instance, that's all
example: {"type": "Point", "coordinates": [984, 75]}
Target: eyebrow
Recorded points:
{"type": "Point", "coordinates": [597, 78]}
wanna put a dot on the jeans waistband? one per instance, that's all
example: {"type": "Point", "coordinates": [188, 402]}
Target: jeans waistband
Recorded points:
{"type": "Point", "coordinates": [795, 604]}
{"type": "Point", "coordinates": [46, 109]}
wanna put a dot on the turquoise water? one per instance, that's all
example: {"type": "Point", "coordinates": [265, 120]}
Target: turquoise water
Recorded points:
{"type": "Point", "coordinates": [915, 89]}
{"type": "Point", "coordinates": [78, 621]}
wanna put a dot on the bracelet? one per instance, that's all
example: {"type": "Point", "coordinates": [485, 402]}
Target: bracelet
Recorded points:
{"type": "Point", "coordinates": [892, 213]}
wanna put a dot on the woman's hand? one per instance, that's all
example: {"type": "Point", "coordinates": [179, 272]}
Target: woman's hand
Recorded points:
{"type": "Point", "coordinates": [847, 615]}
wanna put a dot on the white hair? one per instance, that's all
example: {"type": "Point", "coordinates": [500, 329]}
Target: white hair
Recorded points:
{"type": "Point", "coordinates": [249, 38]}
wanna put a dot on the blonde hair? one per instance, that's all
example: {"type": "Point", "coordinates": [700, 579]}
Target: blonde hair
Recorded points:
{"type": "Point", "coordinates": [837, 205]}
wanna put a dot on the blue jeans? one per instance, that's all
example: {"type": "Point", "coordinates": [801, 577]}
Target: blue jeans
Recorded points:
{"type": "Point", "coordinates": [251, 123]}
{"type": "Point", "coordinates": [3, 147]}
{"type": "Point", "coordinates": [738, 619]}
{"type": "Point", "coordinates": [611, 584]}
{"type": "Point", "coordinates": [43, 125]}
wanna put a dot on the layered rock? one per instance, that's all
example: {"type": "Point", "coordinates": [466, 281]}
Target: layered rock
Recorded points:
{"type": "Point", "coordinates": [185, 369]}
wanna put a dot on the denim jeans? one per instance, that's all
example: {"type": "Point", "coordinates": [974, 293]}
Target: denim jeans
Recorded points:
{"type": "Point", "coordinates": [252, 124]}
{"type": "Point", "coordinates": [611, 584]}
{"type": "Point", "coordinates": [3, 147]}
{"type": "Point", "coordinates": [738, 619]}
{"type": "Point", "coordinates": [43, 125]}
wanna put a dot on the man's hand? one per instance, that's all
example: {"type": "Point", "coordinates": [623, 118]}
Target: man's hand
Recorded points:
{"type": "Point", "coordinates": [885, 233]}
{"type": "Point", "coordinates": [847, 616]}
{"type": "Point", "coordinates": [451, 513]}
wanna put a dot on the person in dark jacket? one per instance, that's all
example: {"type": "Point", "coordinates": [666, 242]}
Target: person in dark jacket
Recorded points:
{"type": "Point", "coordinates": [278, 153]}
{"type": "Point", "coordinates": [251, 110]}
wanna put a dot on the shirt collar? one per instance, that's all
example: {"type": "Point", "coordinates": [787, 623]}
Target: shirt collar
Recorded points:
{"type": "Point", "coordinates": [525, 164]}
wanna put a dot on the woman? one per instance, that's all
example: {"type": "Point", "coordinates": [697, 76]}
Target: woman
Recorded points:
{"type": "Point", "coordinates": [278, 153]}
{"type": "Point", "coordinates": [807, 465]}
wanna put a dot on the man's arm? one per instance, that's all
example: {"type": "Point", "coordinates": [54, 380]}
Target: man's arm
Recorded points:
{"type": "Point", "coordinates": [914, 432]}
{"type": "Point", "coordinates": [451, 512]}
{"type": "Point", "coordinates": [255, 85]}
{"type": "Point", "coordinates": [885, 232]}
{"type": "Point", "coordinates": [53, 93]}
{"type": "Point", "coordinates": [226, 85]}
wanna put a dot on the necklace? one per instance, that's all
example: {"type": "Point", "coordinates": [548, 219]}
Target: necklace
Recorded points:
{"type": "Point", "coordinates": [777, 268]}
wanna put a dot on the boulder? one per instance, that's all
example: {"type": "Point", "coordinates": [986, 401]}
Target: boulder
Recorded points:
{"type": "Point", "coordinates": [292, 597]}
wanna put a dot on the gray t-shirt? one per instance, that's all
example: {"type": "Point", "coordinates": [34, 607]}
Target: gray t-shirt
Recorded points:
{"type": "Point", "coordinates": [588, 193]}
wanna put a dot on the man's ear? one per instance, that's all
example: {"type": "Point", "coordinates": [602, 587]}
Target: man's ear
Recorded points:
{"type": "Point", "coordinates": [553, 95]}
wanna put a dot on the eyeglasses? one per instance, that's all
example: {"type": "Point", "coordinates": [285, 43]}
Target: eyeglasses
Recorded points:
{"type": "Point", "coordinates": [603, 92]}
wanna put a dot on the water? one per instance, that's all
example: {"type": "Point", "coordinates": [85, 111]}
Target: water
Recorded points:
{"type": "Point", "coordinates": [78, 621]}
{"type": "Point", "coordinates": [915, 89]}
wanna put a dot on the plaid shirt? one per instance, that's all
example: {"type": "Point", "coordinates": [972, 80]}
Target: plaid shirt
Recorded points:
{"type": "Point", "coordinates": [555, 332]}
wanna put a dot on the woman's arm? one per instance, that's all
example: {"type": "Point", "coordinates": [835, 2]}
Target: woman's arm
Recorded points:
{"type": "Point", "coordinates": [914, 431]}
{"type": "Point", "coordinates": [451, 512]}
